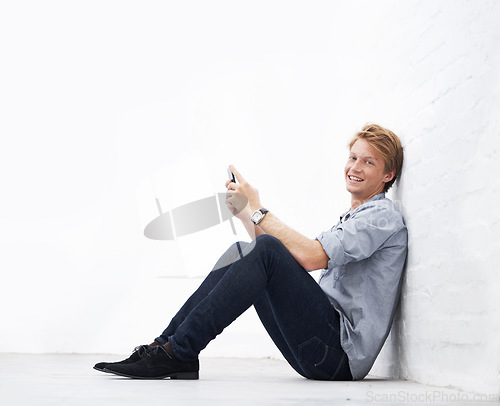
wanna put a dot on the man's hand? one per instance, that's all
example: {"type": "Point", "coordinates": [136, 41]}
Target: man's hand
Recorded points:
{"type": "Point", "coordinates": [238, 202]}
{"type": "Point", "coordinates": [236, 192]}
{"type": "Point", "coordinates": [308, 253]}
{"type": "Point", "coordinates": [238, 205]}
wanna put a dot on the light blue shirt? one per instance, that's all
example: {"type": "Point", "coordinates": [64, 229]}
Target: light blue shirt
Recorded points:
{"type": "Point", "coordinates": [367, 250]}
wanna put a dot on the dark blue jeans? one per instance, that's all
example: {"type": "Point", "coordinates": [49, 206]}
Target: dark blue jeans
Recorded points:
{"type": "Point", "coordinates": [293, 308]}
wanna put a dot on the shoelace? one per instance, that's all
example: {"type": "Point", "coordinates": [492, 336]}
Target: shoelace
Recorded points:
{"type": "Point", "coordinates": [141, 350]}
{"type": "Point", "coordinates": [155, 350]}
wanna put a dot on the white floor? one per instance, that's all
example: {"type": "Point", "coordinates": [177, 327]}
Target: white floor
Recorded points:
{"type": "Point", "coordinates": [71, 380]}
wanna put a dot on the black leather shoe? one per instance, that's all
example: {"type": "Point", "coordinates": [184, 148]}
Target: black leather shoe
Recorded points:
{"type": "Point", "coordinates": [139, 352]}
{"type": "Point", "coordinates": [157, 364]}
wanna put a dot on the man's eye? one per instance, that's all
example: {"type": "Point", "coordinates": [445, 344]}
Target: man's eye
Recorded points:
{"type": "Point", "coordinates": [369, 162]}
{"type": "Point", "coordinates": [352, 158]}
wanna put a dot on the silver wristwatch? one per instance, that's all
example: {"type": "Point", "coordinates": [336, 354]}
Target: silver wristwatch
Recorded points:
{"type": "Point", "coordinates": [258, 215]}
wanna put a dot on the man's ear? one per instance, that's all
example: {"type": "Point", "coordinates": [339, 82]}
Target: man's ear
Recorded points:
{"type": "Point", "coordinates": [389, 176]}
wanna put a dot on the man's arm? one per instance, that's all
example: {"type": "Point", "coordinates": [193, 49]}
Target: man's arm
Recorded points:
{"type": "Point", "coordinates": [253, 230]}
{"type": "Point", "coordinates": [308, 253]}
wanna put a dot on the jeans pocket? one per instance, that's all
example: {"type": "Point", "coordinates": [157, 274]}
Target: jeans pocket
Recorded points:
{"type": "Point", "coordinates": [320, 361]}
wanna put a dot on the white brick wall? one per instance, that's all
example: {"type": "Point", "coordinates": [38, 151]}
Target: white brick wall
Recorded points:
{"type": "Point", "coordinates": [448, 330]}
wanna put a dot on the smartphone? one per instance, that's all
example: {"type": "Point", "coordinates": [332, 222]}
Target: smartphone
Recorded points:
{"type": "Point", "coordinates": [233, 179]}
{"type": "Point", "coordinates": [231, 175]}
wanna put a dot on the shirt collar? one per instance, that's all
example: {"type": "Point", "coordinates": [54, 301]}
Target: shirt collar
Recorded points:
{"type": "Point", "coordinates": [349, 213]}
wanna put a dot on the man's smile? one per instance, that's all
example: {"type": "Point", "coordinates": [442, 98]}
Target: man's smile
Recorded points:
{"type": "Point", "coordinates": [355, 178]}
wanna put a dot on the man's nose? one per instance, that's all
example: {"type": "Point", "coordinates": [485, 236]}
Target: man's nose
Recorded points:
{"type": "Point", "coordinates": [356, 167]}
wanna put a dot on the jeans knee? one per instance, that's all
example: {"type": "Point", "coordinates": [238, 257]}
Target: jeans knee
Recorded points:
{"type": "Point", "coordinates": [269, 243]}
{"type": "Point", "coordinates": [268, 239]}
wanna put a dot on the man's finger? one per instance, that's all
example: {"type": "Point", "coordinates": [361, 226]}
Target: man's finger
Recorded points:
{"type": "Point", "coordinates": [238, 176]}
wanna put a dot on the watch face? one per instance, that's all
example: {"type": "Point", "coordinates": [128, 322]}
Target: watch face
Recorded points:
{"type": "Point", "coordinates": [256, 216]}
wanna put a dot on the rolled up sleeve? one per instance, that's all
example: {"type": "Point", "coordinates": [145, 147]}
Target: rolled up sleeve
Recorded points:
{"type": "Point", "coordinates": [358, 237]}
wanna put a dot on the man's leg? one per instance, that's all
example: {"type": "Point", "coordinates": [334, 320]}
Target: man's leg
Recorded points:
{"type": "Point", "coordinates": [306, 320]}
{"type": "Point", "coordinates": [225, 261]}
{"type": "Point", "coordinates": [266, 316]}
{"type": "Point", "coordinates": [231, 255]}
{"type": "Point", "coordinates": [303, 324]}
{"type": "Point", "coordinates": [268, 268]}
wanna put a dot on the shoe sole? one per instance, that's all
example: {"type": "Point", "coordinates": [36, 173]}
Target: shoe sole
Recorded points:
{"type": "Point", "coordinates": [101, 369]}
{"type": "Point", "coordinates": [175, 375]}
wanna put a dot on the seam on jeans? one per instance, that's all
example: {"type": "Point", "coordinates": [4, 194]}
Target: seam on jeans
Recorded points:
{"type": "Point", "coordinates": [342, 361]}
{"type": "Point", "coordinates": [324, 356]}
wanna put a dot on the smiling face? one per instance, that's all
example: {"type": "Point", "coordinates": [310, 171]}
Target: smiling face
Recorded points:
{"type": "Point", "coordinates": [365, 173]}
